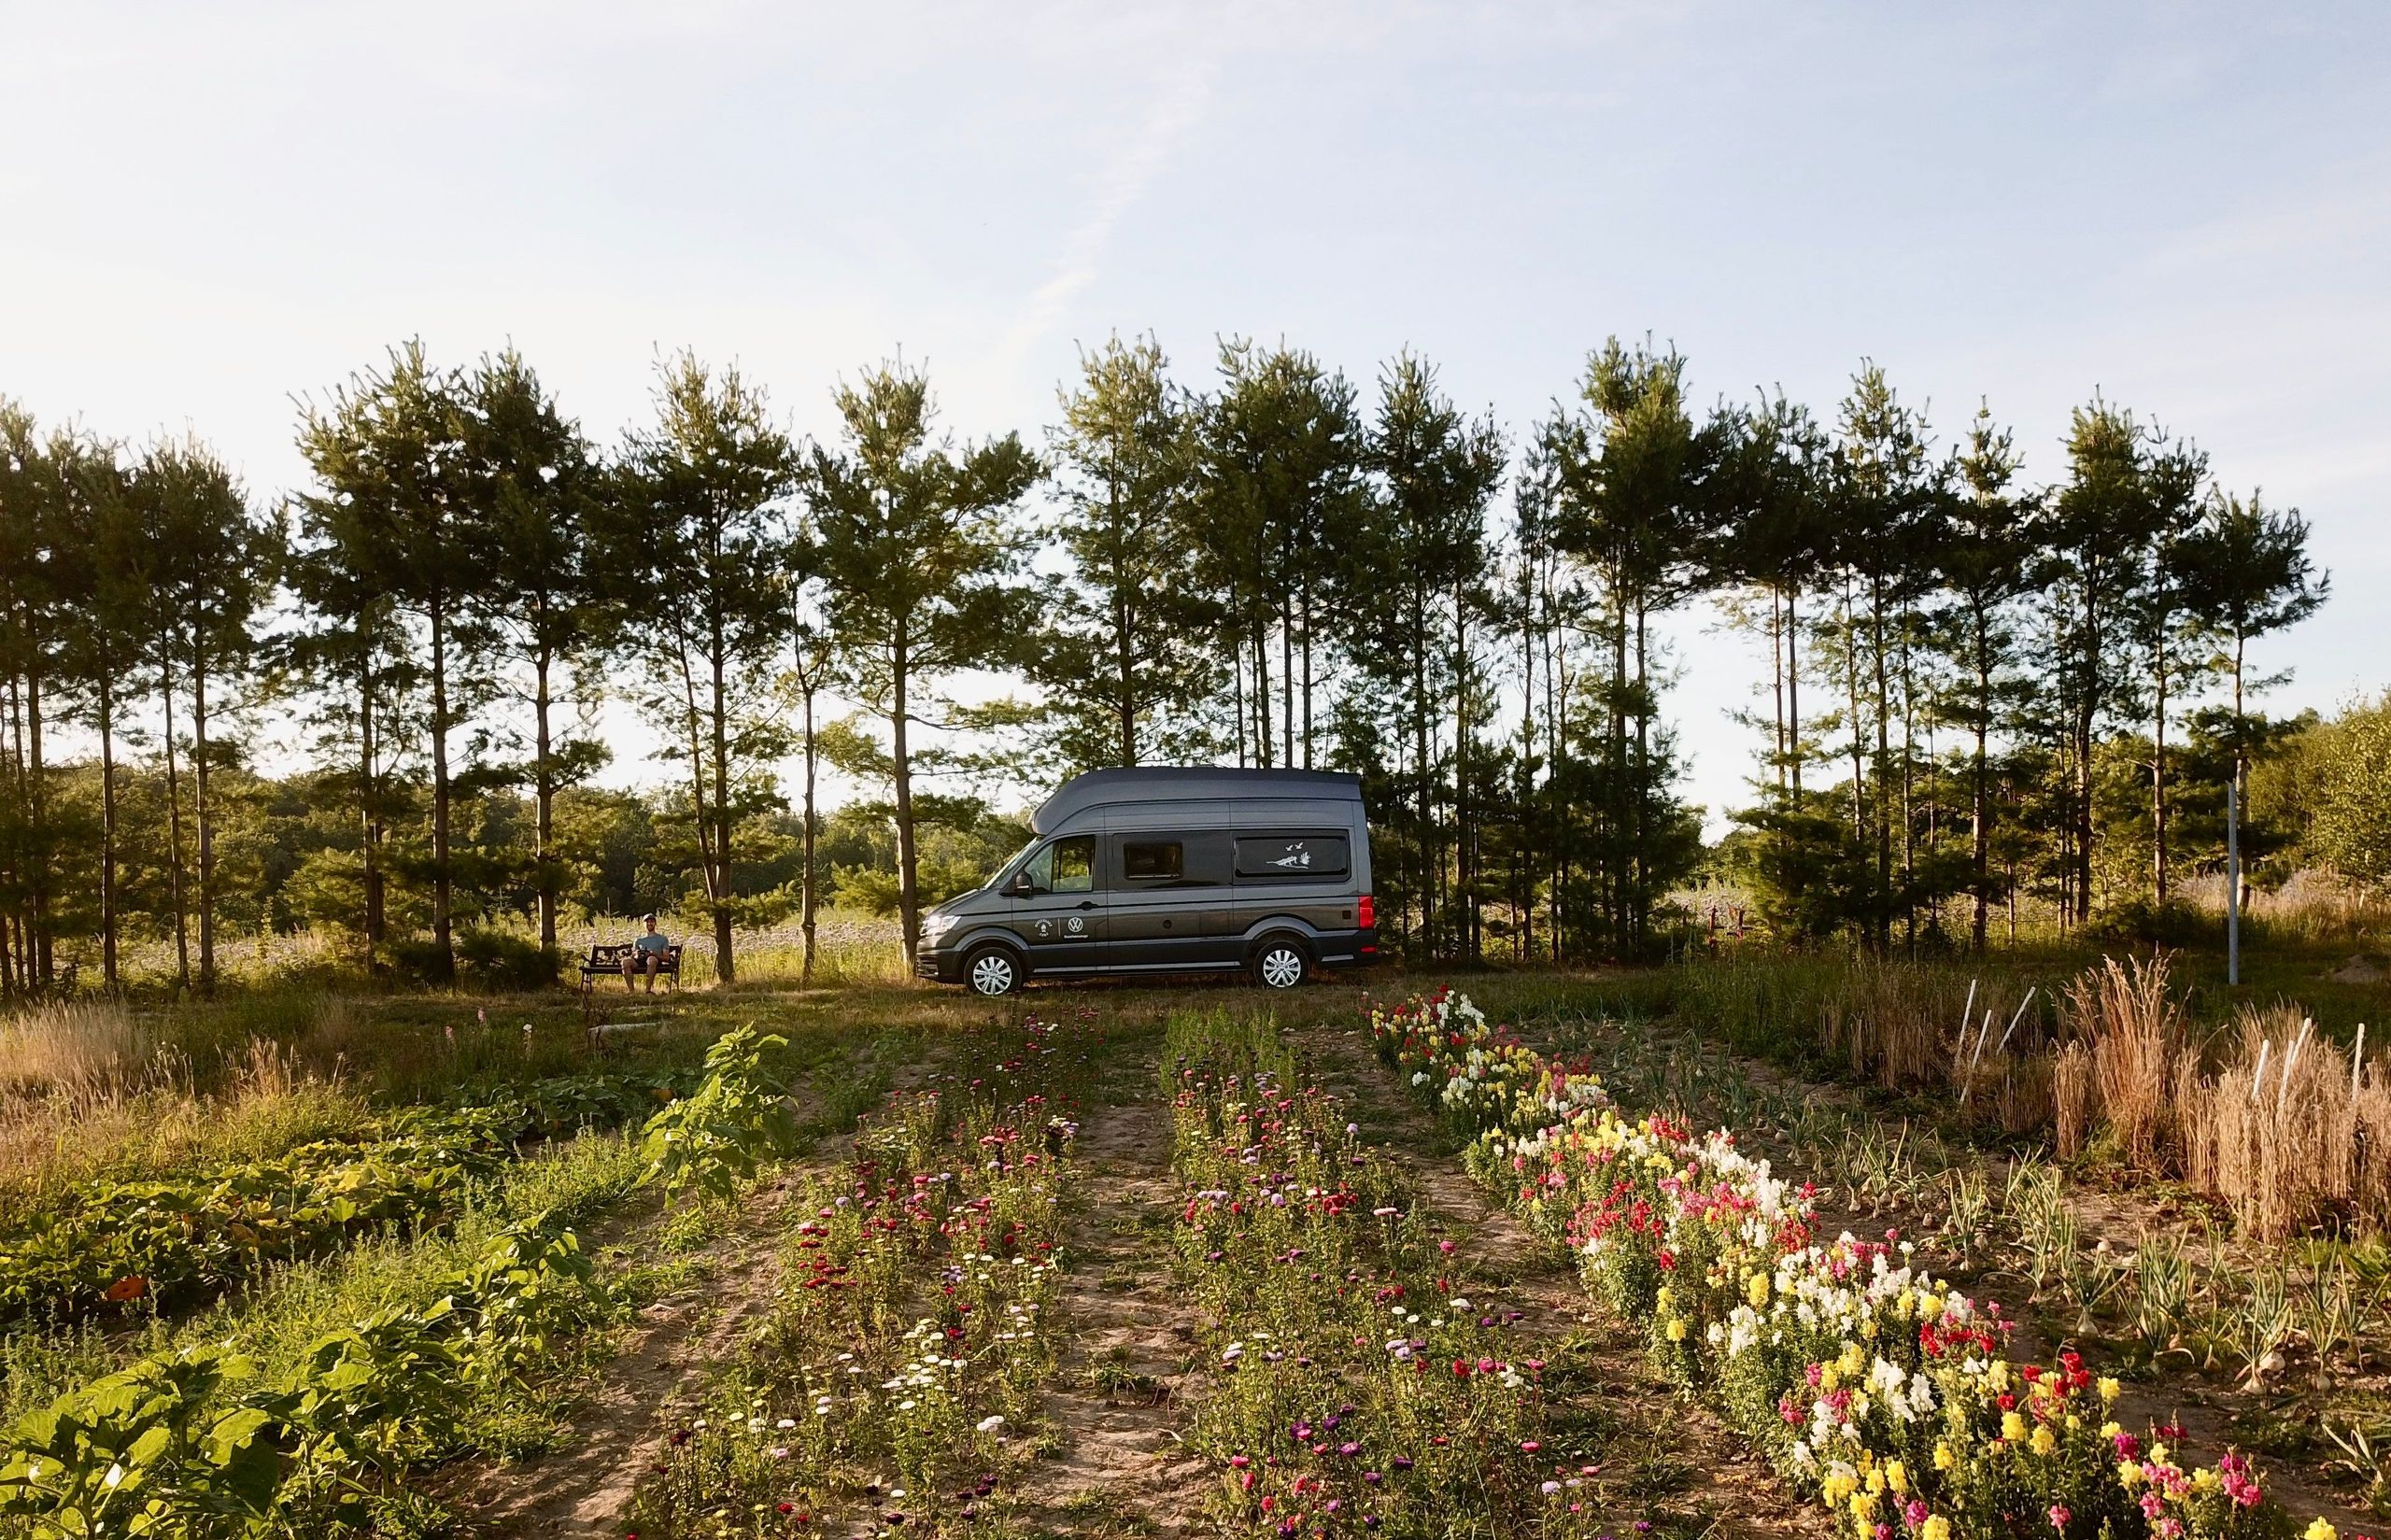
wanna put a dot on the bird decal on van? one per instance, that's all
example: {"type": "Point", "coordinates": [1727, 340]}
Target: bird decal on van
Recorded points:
{"type": "Point", "coordinates": [1298, 856]}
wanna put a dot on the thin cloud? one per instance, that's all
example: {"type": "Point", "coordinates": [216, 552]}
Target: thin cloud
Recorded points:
{"type": "Point", "coordinates": [1177, 110]}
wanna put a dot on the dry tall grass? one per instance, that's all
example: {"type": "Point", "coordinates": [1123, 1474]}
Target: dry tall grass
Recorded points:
{"type": "Point", "coordinates": [86, 1094]}
{"type": "Point", "coordinates": [2294, 1133]}
{"type": "Point", "coordinates": [2130, 1034]}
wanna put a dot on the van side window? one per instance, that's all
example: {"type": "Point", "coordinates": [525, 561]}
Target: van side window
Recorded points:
{"type": "Point", "coordinates": [1066, 866]}
{"type": "Point", "coordinates": [1290, 856]}
{"type": "Point", "coordinates": [1152, 859]}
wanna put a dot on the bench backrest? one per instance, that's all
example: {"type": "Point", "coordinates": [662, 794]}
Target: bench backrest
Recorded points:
{"type": "Point", "coordinates": [613, 955]}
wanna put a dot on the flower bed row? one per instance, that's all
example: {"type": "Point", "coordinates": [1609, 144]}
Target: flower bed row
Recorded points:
{"type": "Point", "coordinates": [1872, 1384]}
{"type": "Point", "coordinates": [1355, 1391]}
{"type": "Point", "coordinates": [894, 1383]}
{"type": "Point", "coordinates": [181, 1240]}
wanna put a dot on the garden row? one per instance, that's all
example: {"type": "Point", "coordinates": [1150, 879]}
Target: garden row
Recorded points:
{"type": "Point", "coordinates": [1874, 1386]}
{"type": "Point", "coordinates": [180, 1239]}
{"type": "Point", "coordinates": [1353, 1389]}
{"type": "Point", "coordinates": [199, 1440]}
{"type": "Point", "coordinates": [895, 1382]}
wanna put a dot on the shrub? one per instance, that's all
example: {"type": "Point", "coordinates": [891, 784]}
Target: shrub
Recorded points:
{"type": "Point", "coordinates": [498, 963]}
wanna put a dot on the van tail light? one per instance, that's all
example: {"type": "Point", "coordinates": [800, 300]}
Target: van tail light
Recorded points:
{"type": "Point", "coordinates": [1369, 913]}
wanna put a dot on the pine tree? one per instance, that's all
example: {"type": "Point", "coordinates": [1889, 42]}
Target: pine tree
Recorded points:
{"type": "Point", "coordinates": [1124, 666]}
{"type": "Point", "coordinates": [919, 560]}
{"type": "Point", "coordinates": [699, 538]}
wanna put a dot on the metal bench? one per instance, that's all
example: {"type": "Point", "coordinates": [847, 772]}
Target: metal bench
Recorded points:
{"type": "Point", "coordinates": [605, 961]}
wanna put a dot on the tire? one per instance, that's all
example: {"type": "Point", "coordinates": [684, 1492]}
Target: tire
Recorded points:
{"type": "Point", "coordinates": [992, 971]}
{"type": "Point", "coordinates": [1280, 961]}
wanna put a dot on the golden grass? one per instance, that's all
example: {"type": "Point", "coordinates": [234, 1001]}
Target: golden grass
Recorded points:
{"type": "Point", "coordinates": [89, 1095]}
{"type": "Point", "coordinates": [2294, 1133]}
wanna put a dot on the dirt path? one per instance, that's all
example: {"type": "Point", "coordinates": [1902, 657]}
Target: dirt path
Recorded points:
{"type": "Point", "coordinates": [1663, 1449]}
{"type": "Point", "coordinates": [1116, 1402]}
{"type": "Point", "coordinates": [583, 1491]}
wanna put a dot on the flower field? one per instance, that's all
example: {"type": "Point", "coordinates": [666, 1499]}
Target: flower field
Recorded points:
{"type": "Point", "coordinates": [1117, 1265]}
{"type": "Point", "coordinates": [1878, 1388]}
{"type": "Point", "coordinates": [894, 1383]}
{"type": "Point", "coordinates": [1356, 1392]}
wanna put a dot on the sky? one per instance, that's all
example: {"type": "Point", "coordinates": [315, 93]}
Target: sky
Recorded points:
{"type": "Point", "coordinates": [209, 213]}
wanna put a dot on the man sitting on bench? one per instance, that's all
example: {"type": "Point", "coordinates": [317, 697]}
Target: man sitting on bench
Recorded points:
{"type": "Point", "coordinates": [649, 955]}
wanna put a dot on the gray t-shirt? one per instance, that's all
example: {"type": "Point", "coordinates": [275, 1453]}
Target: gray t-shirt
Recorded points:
{"type": "Point", "coordinates": [654, 940]}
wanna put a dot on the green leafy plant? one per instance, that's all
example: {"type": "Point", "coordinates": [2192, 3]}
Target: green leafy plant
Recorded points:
{"type": "Point", "coordinates": [718, 1135]}
{"type": "Point", "coordinates": [146, 1452]}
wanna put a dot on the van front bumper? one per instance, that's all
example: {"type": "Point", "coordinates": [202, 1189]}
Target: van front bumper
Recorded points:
{"type": "Point", "coordinates": [940, 965]}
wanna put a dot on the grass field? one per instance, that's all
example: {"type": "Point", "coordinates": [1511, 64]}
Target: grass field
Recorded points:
{"type": "Point", "coordinates": [871, 1258]}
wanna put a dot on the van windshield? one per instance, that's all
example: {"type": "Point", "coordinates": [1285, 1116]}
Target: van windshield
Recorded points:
{"type": "Point", "coordinates": [1012, 864]}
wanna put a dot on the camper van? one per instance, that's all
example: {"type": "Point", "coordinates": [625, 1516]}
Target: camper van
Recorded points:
{"type": "Point", "coordinates": [1170, 870]}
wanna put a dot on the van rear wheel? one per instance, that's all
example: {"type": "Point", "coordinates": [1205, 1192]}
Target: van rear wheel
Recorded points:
{"type": "Point", "coordinates": [1281, 964]}
{"type": "Point", "coordinates": [992, 971]}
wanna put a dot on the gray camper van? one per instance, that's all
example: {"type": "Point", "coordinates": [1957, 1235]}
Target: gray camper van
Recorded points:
{"type": "Point", "coordinates": [1170, 870]}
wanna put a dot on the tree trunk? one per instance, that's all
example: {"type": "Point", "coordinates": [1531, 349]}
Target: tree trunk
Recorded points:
{"type": "Point", "coordinates": [2159, 777]}
{"type": "Point", "coordinates": [175, 836]}
{"type": "Point", "coordinates": [1428, 855]}
{"type": "Point", "coordinates": [908, 905]}
{"type": "Point", "coordinates": [1980, 832]}
{"type": "Point", "coordinates": [368, 805]}
{"type": "Point", "coordinates": [1307, 614]}
{"type": "Point", "coordinates": [36, 802]}
{"type": "Point", "coordinates": [107, 830]}
{"type": "Point", "coordinates": [726, 967]}
{"type": "Point", "coordinates": [806, 898]}
{"type": "Point", "coordinates": [204, 818]}
{"type": "Point", "coordinates": [544, 796]}
{"type": "Point", "coordinates": [443, 923]}
{"type": "Point", "coordinates": [1793, 686]}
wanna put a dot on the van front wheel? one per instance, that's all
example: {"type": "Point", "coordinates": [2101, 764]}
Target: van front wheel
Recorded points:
{"type": "Point", "coordinates": [992, 970]}
{"type": "Point", "coordinates": [1280, 963]}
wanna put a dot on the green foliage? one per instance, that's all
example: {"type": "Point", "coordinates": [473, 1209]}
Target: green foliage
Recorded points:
{"type": "Point", "coordinates": [2350, 829]}
{"type": "Point", "coordinates": [718, 1135]}
{"type": "Point", "coordinates": [146, 1451]}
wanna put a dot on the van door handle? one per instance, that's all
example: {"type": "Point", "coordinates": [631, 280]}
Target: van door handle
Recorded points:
{"type": "Point", "coordinates": [1087, 903]}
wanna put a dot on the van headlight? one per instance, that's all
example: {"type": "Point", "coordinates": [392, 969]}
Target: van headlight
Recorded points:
{"type": "Point", "coordinates": [935, 926]}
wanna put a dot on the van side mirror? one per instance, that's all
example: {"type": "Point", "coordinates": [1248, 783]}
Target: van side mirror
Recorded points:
{"type": "Point", "coordinates": [1020, 886]}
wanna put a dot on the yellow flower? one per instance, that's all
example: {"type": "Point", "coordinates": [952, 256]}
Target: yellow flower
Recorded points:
{"type": "Point", "coordinates": [1897, 1477]}
{"type": "Point", "coordinates": [1828, 1376]}
{"type": "Point", "coordinates": [2013, 1427]}
{"type": "Point", "coordinates": [2109, 1388]}
{"type": "Point", "coordinates": [1676, 1330]}
{"type": "Point", "coordinates": [1854, 1362]}
{"type": "Point", "coordinates": [2319, 1529]}
{"type": "Point", "coordinates": [1663, 1298]}
{"type": "Point", "coordinates": [2073, 1422]}
{"type": "Point", "coordinates": [2042, 1443]}
{"type": "Point", "coordinates": [2128, 1474]}
{"type": "Point", "coordinates": [1756, 1290]}
{"type": "Point", "coordinates": [1837, 1486]}
{"type": "Point", "coordinates": [1863, 1504]}
{"type": "Point", "coordinates": [2110, 1430]}
{"type": "Point", "coordinates": [2205, 1479]}
{"type": "Point", "coordinates": [1943, 1458]}
{"type": "Point", "coordinates": [1935, 1528]}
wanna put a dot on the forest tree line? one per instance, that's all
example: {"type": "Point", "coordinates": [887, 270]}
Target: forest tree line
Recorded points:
{"type": "Point", "coordinates": [1983, 693]}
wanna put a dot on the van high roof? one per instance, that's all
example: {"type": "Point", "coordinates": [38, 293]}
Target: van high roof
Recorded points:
{"type": "Point", "coordinates": [1189, 782]}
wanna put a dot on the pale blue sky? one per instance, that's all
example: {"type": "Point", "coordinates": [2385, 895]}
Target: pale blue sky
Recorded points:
{"type": "Point", "coordinates": [207, 210]}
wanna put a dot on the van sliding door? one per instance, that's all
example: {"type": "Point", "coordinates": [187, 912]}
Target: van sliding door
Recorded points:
{"type": "Point", "coordinates": [1169, 899]}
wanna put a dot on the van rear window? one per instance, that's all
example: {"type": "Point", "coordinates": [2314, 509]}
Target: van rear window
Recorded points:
{"type": "Point", "coordinates": [1291, 855]}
